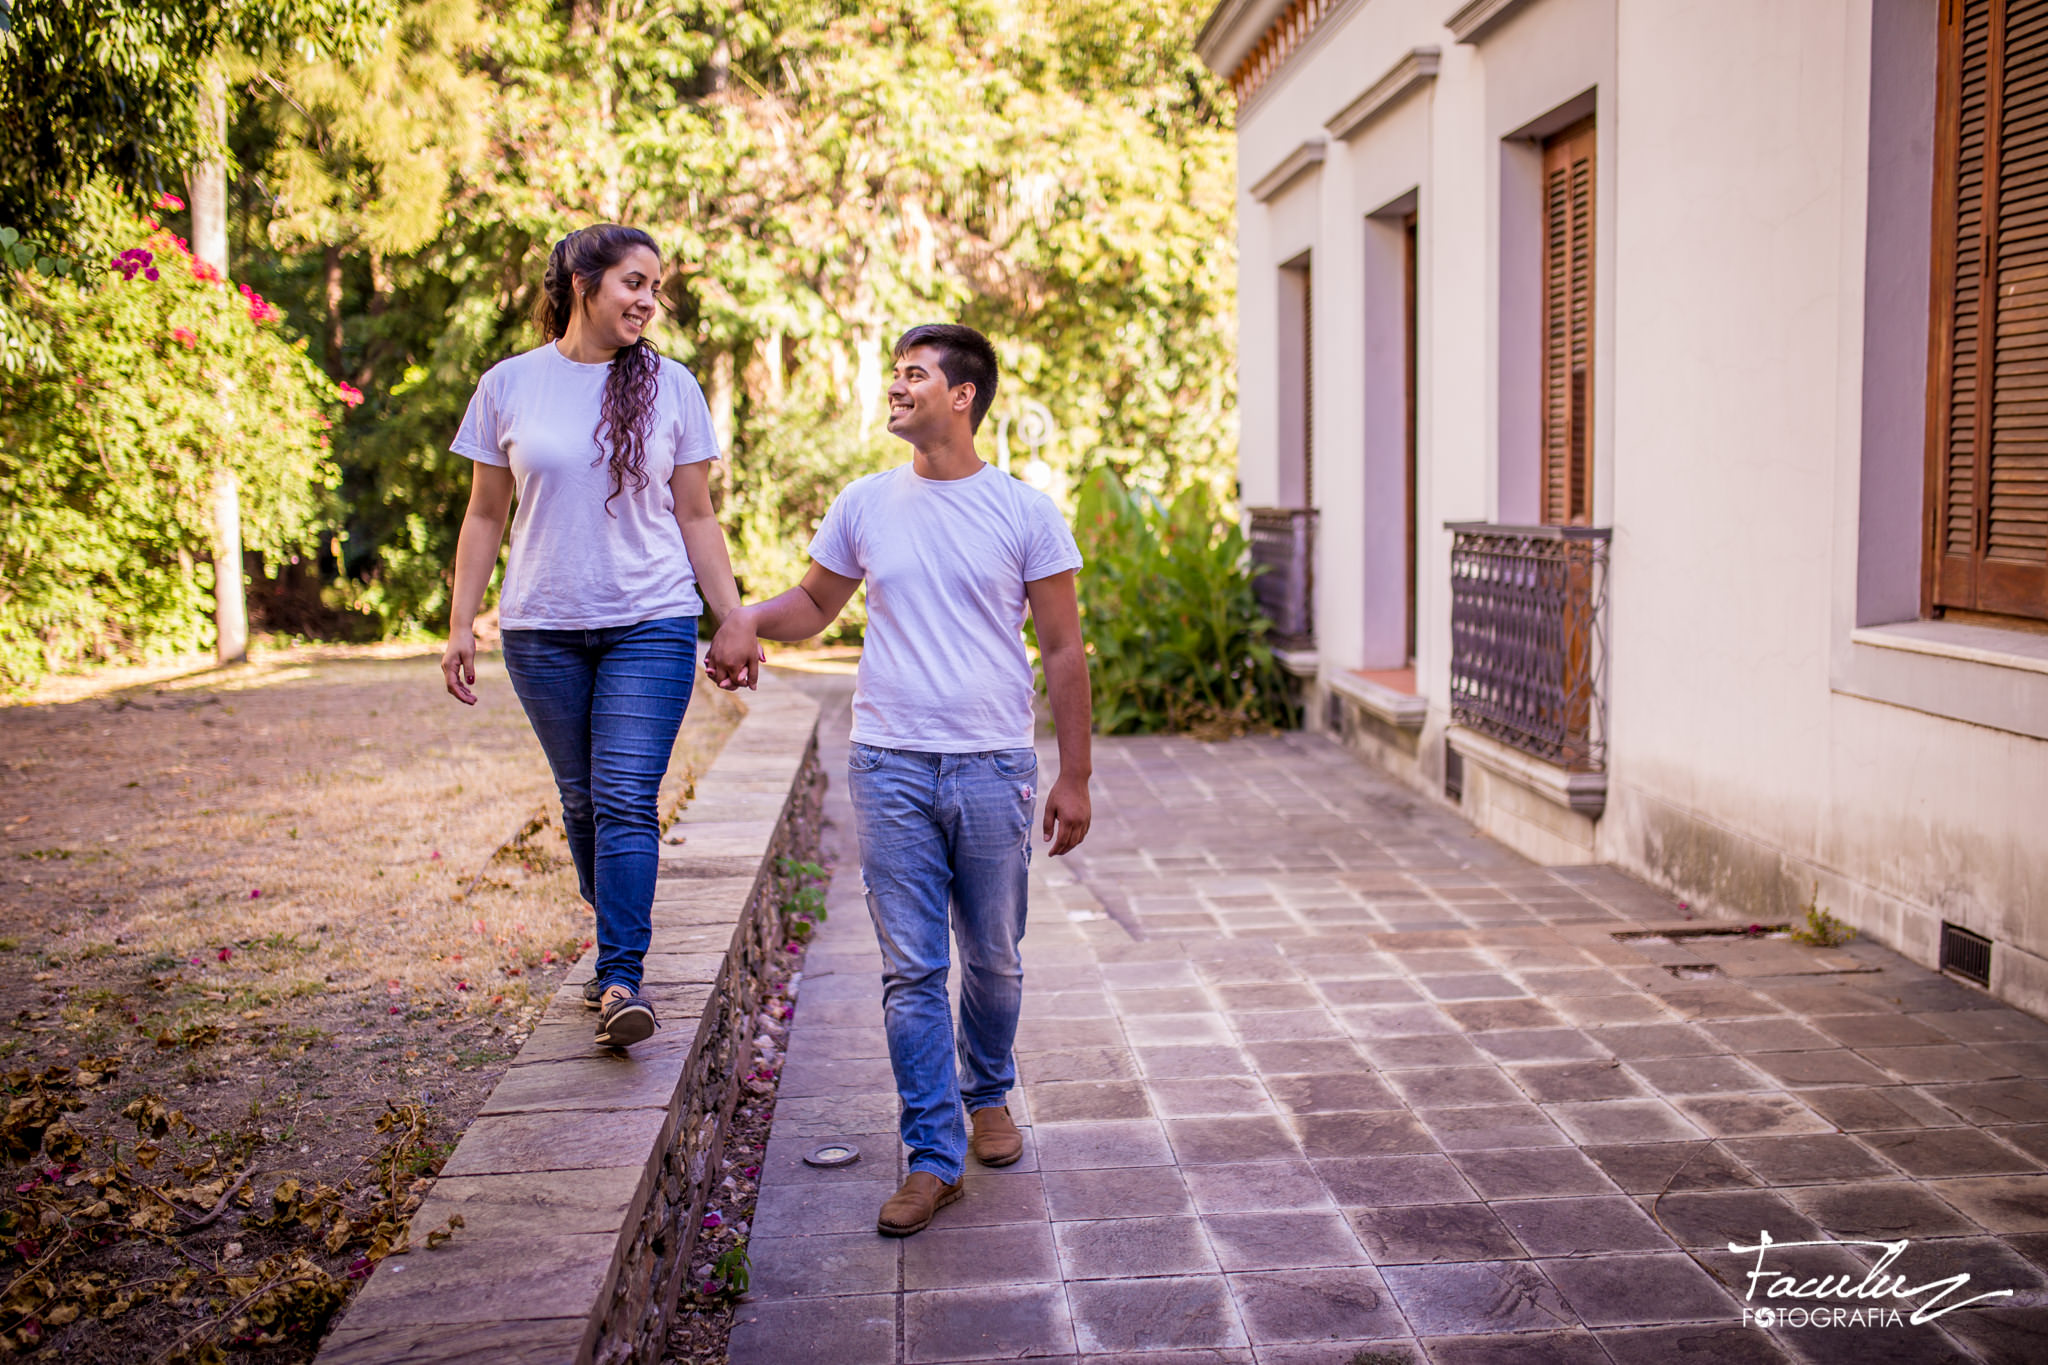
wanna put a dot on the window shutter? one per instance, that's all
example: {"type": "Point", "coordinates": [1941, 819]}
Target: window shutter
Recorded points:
{"type": "Point", "coordinates": [1988, 428]}
{"type": "Point", "coordinates": [1567, 486]}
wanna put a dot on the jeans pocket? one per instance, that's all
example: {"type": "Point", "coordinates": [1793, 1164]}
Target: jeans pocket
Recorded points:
{"type": "Point", "coordinates": [1015, 763]}
{"type": "Point", "coordinates": [862, 758]}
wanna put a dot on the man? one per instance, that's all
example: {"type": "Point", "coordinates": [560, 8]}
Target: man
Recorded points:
{"type": "Point", "coordinates": [942, 772]}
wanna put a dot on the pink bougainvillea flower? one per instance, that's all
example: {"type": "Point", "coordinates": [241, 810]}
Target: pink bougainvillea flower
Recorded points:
{"type": "Point", "coordinates": [194, 961]}
{"type": "Point", "coordinates": [169, 201]}
{"type": "Point", "coordinates": [226, 954]}
{"type": "Point", "coordinates": [462, 985]}
{"type": "Point", "coordinates": [186, 335]}
{"type": "Point", "coordinates": [713, 1220]}
{"type": "Point", "coordinates": [256, 893]}
{"type": "Point", "coordinates": [205, 273]}
{"type": "Point", "coordinates": [352, 396]}
{"type": "Point", "coordinates": [150, 274]}
{"type": "Point", "coordinates": [261, 310]}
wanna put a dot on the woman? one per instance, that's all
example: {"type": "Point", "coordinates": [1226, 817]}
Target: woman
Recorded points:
{"type": "Point", "coordinates": [607, 444]}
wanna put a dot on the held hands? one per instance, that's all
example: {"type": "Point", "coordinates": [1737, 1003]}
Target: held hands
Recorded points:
{"type": "Point", "coordinates": [735, 657]}
{"type": "Point", "coordinates": [458, 665]}
{"type": "Point", "coordinates": [1067, 813]}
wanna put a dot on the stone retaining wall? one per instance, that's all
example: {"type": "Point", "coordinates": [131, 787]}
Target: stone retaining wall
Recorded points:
{"type": "Point", "coordinates": [583, 1179]}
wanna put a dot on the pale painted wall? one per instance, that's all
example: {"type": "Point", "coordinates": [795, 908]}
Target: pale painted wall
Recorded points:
{"type": "Point", "coordinates": [1751, 469]}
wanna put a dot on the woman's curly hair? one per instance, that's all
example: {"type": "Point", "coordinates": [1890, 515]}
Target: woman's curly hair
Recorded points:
{"type": "Point", "coordinates": [630, 388]}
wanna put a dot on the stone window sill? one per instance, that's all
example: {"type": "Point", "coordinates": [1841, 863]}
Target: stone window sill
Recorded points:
{"type": "Point", "coordinates": [1977, 674]}
{"type": "Point", "coordinates": [1402, 710]}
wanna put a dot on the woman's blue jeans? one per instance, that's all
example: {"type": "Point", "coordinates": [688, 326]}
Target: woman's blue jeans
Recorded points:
{"type": "Point", "coordinates": [606, 706]}
{"type": "Point", "coordinates": [945, 842]}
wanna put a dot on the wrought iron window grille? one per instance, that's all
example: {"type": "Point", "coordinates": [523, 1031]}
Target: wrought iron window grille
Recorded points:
{"type": "Point", "coordinates": [1529, 639]}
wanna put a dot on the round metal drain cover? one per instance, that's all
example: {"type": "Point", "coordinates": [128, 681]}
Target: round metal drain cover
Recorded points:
{"type": "Point", "coordinates": [832, 1154]}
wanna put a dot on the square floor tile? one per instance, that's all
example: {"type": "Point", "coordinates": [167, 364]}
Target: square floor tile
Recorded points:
{"type": "Point", "coordinates": [1469, 1297]}
{"type": "Point", "coordinates": [1176, 1030]}
{"type": "Point", "coordinates": [1699, 1075]}
{"type": "Point", "coordinates": [1119, 1248]}
{"type": "Point", "coordinates": [1389, 1133]}
{"type": "Point", "coordinates": [1862, 1031]}
{"type": "Point", "coordinates": [1491, 1016]}
{"type": "Point", "coordinates": [1273, 1026]}
{"type": "Point", "coordinates": [1592, 1011]}
{"type": "Point", "coordinates": [1541, 1045]}
{"type": "Point", "coordinates": [1377, 1182]}
{"type": "Point", "coordinates": [1172, 1000]}
{"type": "Point", "coordinates": [1694, 1344]}
{"type": "Point", "coordinates": [1395, 1021]}
{"type": "Point", "coordinates": [1255, 1187]}
{"type": "Point", "coordinates": [1714, 1218]}
{"type": "Point", "coordinates": [1078, 1064]}
{"type": "Point", "coordinates": [1354, 1091]}
{"type": "Point", "coordinates": [1532, 1173]}
{"type": "Point", "coordinates": [1492, 1126]}
{"type": "Point", "coordinates": [1554, 1082]}
{"type": "Point", "coordinates": [1867, 1110]}
{"type": "Point", "coordinates": [989, 1198]}
{"type": "Point", "coordinates": [1282, 1241]}
{"type": "Point", "coordinates": [1993, 1102]}
{"type": "Point", "coordinates": [2000, 1203]}
{"type": "Point", "coordinates": [852, 1330]}
{"type": "Point", "coordinates": [1127, 1192]}
{"type": "Point", "coordinates": [1883, 1211]}
{"type": "Point", "coordinates": [1630, 1041]}
{"type": "Point", "coordinates": [962, 1257]}
{"type": "Point", "coordinates": [1581, 1226]}
{"type": "Point", "coordinates": [1454, 1086]}
{"type": "Point", "coordinates": [1751, 1115]}
{"type": "Point", "coordinates": [1430, 1234]}
{"type": "Point", "coordinates": [1178, 1313]}
{"type": "Point", "coordinates": [830, 1263]}
{"type": "Point", "coordinates": [1836, 1067]}
{"type": "Point", "coordinates": [1069, 1101]}
{"type": "Point", "coordinates": [1952, 1062]}
{"type": "Point", "coordinates": [1609, 1291]}
{"type": "Point", "coordinates": [1520, 1348]}
{"type": "Point", "coordinates": [1082, 1146]}
{"type": "Point", "coordinates": [1209, 1141]}
{"type": "Point", "coordinates": [1315, 1305]}
{"type": "Point", "coordinates": [1182, 1063]}
{"type": "Point", "coordinates": [1305, 1056]}
{"type": "Point", "coordinates": [1371, 991]}
{"type": "Point", "coordinates": [1808, 1159]}
{"type": "Point", "coordinates": [1209, 1096]}
{"type": "Point", "coordinates": [1949, 1151]}
{"type": "Point", "coordinates": [807, 1209]}
{"type": "Point", "coordinates": [997, 1322]}
{"type": "Point", "coordinates": [1604, 1122]}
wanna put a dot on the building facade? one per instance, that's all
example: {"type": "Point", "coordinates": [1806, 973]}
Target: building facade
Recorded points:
{"type": "Point", "coordinates": [1657, 393]}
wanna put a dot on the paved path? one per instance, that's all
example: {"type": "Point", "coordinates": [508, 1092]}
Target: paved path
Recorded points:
{"type": "Point", "coordinates": [1336, 1081]}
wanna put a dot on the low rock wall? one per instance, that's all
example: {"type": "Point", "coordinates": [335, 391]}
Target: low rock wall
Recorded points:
{"type": "Point", "coordinates": [583, 1180]}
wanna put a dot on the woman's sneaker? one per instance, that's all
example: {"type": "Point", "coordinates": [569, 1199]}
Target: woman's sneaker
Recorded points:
{"type": "Point", "coordinates": [624, 1019]}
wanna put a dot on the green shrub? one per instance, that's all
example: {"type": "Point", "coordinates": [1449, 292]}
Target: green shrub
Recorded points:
{"type": "Point", "coordinates": [1175, 638]}
{"type": "Point", "coordinates": [159, 376]}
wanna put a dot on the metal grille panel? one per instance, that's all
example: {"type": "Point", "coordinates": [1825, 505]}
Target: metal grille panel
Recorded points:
{"type": "Point", "coordinates": [1529, 639]}
{"type": "Point", "coordinates": [1966, 954]}
{"type": "Point", "coordinates": [1283, 540]}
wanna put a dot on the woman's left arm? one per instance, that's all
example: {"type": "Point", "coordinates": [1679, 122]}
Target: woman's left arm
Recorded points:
{"type": "Point", "coordinates": [704, 538]}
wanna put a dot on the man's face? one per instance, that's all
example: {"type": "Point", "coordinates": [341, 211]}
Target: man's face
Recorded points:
{"type": "Point", "coordinates": [921, 405]}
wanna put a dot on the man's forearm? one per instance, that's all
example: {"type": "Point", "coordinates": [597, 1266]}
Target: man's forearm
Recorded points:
{"type": "Point", "coordinates": [792, 615]}
{"type": "Point", "coordinates": [1066, 684]}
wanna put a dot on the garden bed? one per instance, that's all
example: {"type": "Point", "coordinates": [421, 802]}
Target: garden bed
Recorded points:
{"type": "Point", "coordinates": [275, 932]}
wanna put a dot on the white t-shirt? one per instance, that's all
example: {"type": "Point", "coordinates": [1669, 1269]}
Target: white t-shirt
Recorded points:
{"type": "Point", "coordinates": [576, 564]}
{"type": "Point", "coordinates": [944, 670]}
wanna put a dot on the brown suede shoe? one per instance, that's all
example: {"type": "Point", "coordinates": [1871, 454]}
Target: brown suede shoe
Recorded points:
{"type": "Point", "coordinates": [996, 1141]}
{"type": "Point", "coordinates": [910, 1209]}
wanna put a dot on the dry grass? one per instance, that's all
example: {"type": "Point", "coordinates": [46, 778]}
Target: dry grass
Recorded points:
{"type": "Point", "coordinates": [318, 818]}
{"type": "Point", "coordinates": [250, 890]}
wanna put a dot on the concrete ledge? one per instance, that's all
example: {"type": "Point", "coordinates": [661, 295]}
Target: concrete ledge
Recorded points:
{"type": "Point", "coordinates": [1297, 163]}
{"type": "Point", "coordinates": [1415, 69]}
{"type": "Point", "coordinates": [1401, 710]}
{"type": "Point", "coordinates": [1539, 810]}
{"type": "Point", "coordinates": [582, 1180]}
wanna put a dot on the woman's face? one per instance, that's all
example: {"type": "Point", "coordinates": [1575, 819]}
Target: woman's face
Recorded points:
{"type": "Point", "coordinates": [621, 305]}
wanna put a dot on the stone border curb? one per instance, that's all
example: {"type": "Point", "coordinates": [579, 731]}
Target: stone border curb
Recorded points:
{"type": "Point", "coordinates": [583, 1179]}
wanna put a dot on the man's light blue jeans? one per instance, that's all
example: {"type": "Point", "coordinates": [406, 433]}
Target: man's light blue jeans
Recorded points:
{"type": "Point", "coordinates": [945, 842]}
{"type": "Point", "coordinates": [606, 706]}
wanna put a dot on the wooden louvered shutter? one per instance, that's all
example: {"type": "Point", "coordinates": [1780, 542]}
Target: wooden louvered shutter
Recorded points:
{"type": "Point", "coordinates": [1988, 411]}
{"type": "Point", "coordinates": [1567, 488]}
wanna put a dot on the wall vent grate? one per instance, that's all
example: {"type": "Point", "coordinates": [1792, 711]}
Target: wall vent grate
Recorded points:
{"type": "Point", "coordinates": [1454, 774]}
{"type": "Point", "coordinates": [1966, 954]}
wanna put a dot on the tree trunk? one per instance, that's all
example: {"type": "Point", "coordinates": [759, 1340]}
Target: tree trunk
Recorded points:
{"type": "Point", "coordinates": [209, 203]}
{"type": "Point", "coordinates": [332, 280]}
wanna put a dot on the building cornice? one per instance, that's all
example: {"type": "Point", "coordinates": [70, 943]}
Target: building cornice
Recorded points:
{"type": "Point", "coordinates": [1231, 30]}
{"type": "Point", "coordinates": [1292, 167]}
{"type": "Point", "coordinates": [1415, 70]}
{"type": "Point", "coordinates": [1476, 18]}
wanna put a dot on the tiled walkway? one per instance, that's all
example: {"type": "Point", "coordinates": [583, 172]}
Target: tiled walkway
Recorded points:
{"type": "Point", "coordinates": [1338, 1082]}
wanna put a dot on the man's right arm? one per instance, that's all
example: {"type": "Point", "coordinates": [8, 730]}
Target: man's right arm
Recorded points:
{"type": "Point", "coordinates": [802, 612]}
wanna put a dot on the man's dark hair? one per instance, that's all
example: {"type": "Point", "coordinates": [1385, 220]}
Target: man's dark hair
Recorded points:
{"type": "Point", "coordinates": [965, 357]}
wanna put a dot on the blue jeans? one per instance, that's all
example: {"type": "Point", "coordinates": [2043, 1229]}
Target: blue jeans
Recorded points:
{"type": "Point", "coordinates": [606, 706]}
{"type": "Point", "coordinates": [945, 841]}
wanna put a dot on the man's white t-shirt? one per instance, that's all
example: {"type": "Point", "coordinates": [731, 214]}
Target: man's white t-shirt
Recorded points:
{"type": "Point", "coordinates": [943, 669]}
{"type": "Point", "coordinates": [577, 564]}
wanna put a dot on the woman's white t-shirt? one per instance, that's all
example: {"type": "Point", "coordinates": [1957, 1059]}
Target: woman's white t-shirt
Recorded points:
{"type": "Point", "coordinates": [577, 564]}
